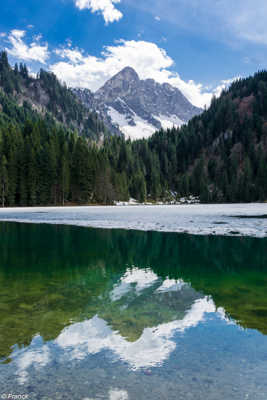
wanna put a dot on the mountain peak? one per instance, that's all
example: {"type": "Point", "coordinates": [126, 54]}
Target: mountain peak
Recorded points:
{"type": "Point", "coordinates": [139, 107]}
{"type": "Point", "coordinates": [119, 85]}
{"type": "Point", "coordinates": [127, 73]}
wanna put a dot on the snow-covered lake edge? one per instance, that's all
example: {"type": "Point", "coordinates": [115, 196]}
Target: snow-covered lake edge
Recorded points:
{"type": "Point", "coordinates": [196, 219]}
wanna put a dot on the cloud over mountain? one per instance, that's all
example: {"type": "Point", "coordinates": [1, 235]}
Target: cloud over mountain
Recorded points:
{"type": "Point", "coordinates": [83, 70]}
{"type": "Point", "coordinates": [147, 58]}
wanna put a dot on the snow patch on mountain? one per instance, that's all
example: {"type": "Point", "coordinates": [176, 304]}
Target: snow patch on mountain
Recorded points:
{"type": "Point", "coordinates": [137, 108]}
{"type": "Point", "coordinates": [169, 121]}
{"type": "Point", "coordinates": [135, 127]}
{"type": "Point", "coordinates": [138, 129]}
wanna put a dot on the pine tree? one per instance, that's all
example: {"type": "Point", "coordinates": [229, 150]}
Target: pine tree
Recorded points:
{"type": "Point", "coordinates": [3, 180]}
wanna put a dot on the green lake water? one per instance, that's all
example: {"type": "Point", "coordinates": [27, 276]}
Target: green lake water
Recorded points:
{"type": "Point", "coordinates": [126, 315]}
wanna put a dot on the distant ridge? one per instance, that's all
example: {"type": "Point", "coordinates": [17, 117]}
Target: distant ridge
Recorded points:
{"type": "Point", "coordinates": [138, 107]}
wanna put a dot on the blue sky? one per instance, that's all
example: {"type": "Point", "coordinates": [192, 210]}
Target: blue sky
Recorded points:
{"type": "Point", "coordinates": [198, 46]}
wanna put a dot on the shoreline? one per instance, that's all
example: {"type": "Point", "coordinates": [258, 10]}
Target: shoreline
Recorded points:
{"type": "Point", "coordinates": [197, 219]}
{"type": "Point", "coordinates": [125, 204]}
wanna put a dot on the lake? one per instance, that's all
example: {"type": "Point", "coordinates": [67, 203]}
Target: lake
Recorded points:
{"type": "Point", "coordinates": [123, 314]}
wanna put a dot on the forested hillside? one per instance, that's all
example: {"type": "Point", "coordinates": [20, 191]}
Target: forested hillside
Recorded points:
{"type": "Point", "coordinates": [21, 95]}
{"type": "Point", "coordinates": [220, 155]}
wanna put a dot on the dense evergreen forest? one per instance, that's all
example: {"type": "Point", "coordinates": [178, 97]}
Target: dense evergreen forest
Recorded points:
{"type": "Point", "coordinates": [23, 94]}
{"type": "Point", "coordinates": [53, 151]}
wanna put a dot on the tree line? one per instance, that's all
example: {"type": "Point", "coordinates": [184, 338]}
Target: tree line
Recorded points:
{"type": "Point", "coordinates": [220, 155]}
{"type": "Point", "coordinates": [52, 99]}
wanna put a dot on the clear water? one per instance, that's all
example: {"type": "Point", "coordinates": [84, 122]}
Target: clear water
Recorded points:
{"type": "Point", "coordinates": [115, 314]}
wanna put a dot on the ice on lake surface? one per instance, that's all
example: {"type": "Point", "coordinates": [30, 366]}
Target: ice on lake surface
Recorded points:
{"type": "Point", "coordinates": [125, 315]}
{"type": "Point", "coordinates": [204, 219]}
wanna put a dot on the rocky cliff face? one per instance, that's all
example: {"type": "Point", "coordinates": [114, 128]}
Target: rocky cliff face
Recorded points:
{"type": "Point", "coordinates": [138, 107]}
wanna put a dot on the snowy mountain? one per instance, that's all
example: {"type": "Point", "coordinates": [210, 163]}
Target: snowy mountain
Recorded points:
{"type": "Point", "coordinates": [136, 107]}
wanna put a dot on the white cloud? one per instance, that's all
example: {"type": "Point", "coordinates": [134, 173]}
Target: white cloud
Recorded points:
{"type": "Point", "coordinates": [105, 7]}
{"type": "Point", "coordinates": [32, 52]}
{"type": "Point", "coordinates": [37, 38]}
{"type": "Point", "coordinates": [149, 61]}
{"type": "Point", "coordinates": [2, 34]}
{"type": "Point", "coordinates": [16, 33]}
{"type": "Point", "coordinates": [75, 56]}
{"type": "Point", "coordinates": [69, 42]}
{"type": "Point", "coordinates": [157, 18]}
{"type": "Point", "coordinates": [224, 84]}
{"type": "Point", "coordinates": [78, 69]}
{"type": "Point", "coordinates": [82, 70]}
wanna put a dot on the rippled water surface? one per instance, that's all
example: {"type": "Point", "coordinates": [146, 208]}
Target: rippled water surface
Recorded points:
{"type": "Point", "coordinates": [125, 315]}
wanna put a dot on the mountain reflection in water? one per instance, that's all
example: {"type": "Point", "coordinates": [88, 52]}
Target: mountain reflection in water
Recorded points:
{"type": "Point", "coordinates": [70, 294]}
